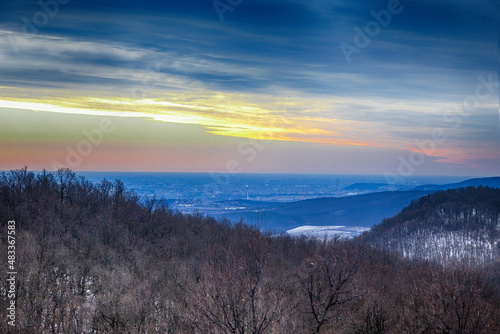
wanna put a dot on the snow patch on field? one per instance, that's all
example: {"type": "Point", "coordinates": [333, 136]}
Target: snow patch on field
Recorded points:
{"type": "Point", "coordinates": [328, 231]}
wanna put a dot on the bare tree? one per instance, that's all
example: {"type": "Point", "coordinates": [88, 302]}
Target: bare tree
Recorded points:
{"type": "Point", "coordinates": [236, 295]}
{"type": "Point", "coordinates": [328, 279]}
{"type": "Point", "coordinates": [450, 301]}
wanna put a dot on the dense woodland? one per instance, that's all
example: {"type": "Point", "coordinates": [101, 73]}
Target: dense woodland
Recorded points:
{"type": "Point", "coordinates": [453, 226]}
{"type": "Point", "coordinates": [97, 259]}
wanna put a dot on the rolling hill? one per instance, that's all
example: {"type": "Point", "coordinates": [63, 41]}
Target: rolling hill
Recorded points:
{"type": "Point", "coordinates": [493, 182]}
{"type": "Point", "coordinates": [363, 210]}
{"type": "Point", "coordinates": [454, 225]}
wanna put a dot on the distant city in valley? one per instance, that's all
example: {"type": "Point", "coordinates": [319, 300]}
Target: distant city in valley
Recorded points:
{"type": "Point", "coordinates": [273, 201]}
{"type": "Point", "coordinates": [189, 191]}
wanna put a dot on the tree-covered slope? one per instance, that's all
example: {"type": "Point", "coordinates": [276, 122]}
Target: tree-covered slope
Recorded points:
{"type": "Point", "coordinates": [454, 225]}
{"type": "Point", "coordinates": [95, 258]}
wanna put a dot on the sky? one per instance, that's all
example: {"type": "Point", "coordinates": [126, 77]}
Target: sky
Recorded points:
{"type": "Point", "coordinates": [399, 88]}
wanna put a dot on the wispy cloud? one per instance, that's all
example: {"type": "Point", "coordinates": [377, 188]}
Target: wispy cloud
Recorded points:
{"type": "Point", "coordinates": [271, 70]}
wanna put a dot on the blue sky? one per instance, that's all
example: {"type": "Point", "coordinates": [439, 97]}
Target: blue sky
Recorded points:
{"type": "Point", "coordinates": [271, 71]}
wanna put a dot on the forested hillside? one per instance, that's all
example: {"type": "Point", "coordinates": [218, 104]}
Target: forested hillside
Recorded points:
{"type": "Point", "coordinates": [95, 259]}
{"type": "Point", "coordinates": [453, 226]}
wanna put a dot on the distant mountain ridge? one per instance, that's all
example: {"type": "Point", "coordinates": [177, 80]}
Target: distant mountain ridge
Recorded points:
{"type": "Point", "coordinates": [493, 182]}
